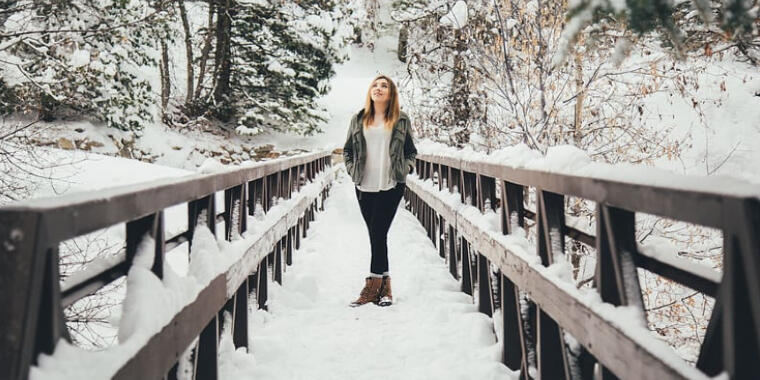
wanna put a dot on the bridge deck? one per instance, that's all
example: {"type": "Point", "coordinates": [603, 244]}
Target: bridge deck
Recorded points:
{"type": "Point", "coordinates": [432, 331]}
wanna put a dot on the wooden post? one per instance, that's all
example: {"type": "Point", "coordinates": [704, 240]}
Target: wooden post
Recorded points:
{"type": "Point", "coordinates": [240, 316]}
{"type": "Point", "coordinates": [298, 233]}
{"type": "Point", "coordinates": [278, 262]}
{"type": "Point", "coordinates": [512, 319]}
{"type": "Point", "coordinates": [261, 286]}
{"type": "Point", "coordinates": [452, 254]}
{"type": "Point", "coordinates": [206, 352]}
{"type": "Point", "coordinates": [204, 211]}
{"type": "Point", "coordinates": [232, 196]}
{"type": "Point", "coordinates": [514, 349]}
{"type": "Point", "coordinates": [554, 361]}
{"type": "Point", "coordinates": [467, 284]}
{"type": "Point", "coordinates": [151, 226]}
{"type": "Point", "coordinates": [485, 293]}
{"type": "Point", "coordinates": [441, 236]}
{"type": "Point", "coordinates": [289, 246]}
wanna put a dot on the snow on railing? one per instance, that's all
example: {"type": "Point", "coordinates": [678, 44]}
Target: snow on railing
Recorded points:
{"type": "Point", "coordinates": [163, 313]}
{"type": "Point", "coordinates": [473, 206]}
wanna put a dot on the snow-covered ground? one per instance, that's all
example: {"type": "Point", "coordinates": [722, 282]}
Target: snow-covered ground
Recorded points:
{"type": "Point", "coordinates": [433, 331]}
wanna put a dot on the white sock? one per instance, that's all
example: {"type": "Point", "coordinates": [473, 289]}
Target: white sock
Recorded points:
{"type": "Point", "coordinates": [373, 275]}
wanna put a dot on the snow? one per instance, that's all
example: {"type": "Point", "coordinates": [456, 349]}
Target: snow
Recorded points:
{"type": "Point", "coordinates": [277, 67]}
{"type": "Point", "coordinates": [532, 8]}
{"type": "Point", "coordinates": [70, 172]}
{"type": "Point", "coordinates": [432, 331]}
{"type": "Point", "coordinates": [457, 16]}
{"type": "Point", "coordinates": [80, 58]}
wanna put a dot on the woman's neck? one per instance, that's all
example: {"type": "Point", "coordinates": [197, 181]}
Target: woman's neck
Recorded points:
{"type": "Point", "coordinates": [380, 110]}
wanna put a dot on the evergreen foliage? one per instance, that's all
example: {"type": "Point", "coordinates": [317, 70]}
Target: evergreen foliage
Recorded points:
{"type": "Point", "coordinates": [282, 59]}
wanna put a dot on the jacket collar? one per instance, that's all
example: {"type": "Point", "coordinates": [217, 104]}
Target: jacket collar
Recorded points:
{"type": "Point", "coordinates": [402, 115]}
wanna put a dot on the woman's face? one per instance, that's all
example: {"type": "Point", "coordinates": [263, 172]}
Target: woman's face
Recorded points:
{"type": "Point", "coordinates": [380, 91]}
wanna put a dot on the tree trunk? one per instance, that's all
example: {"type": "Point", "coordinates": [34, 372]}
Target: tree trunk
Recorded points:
{"type": "Point", "coordinates": [460, 91]}
{"type": "Point", "coordinates": [579, 98]}
{"type": "Point", "coordinates": [189, 51]}
{"type": "Point", "coordinates": [165, 80]}
{"type": "Point", "coordinates": [223, 61]}
{"type": "Point", "coordinates": [403, 41]}
{"type": "Point", "coordinates": [206, 50]}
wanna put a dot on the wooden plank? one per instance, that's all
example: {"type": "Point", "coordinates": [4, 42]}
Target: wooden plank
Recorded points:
{"type": "Point", "coordinates": [701, 203]}
{"type": "Point", "coordinates": [74, 292]}
{"type": "Point", "coordinates": [680, 273]}
{"type": "Point", "coordinates": [74, 215]}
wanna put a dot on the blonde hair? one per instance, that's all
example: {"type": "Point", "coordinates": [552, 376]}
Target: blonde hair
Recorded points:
{"type": "Point", "coordinates": [392, 112]}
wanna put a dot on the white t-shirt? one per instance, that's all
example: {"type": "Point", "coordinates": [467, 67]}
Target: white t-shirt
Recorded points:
{"type": "Point", "coordinates": [377, 167]}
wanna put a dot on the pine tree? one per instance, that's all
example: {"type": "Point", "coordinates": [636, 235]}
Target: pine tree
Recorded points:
{"type": "Point", "coordinates": [282, 56]}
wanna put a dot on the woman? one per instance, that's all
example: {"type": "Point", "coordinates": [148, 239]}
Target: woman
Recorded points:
{"type": "Point", "coordinates": [379, 153]}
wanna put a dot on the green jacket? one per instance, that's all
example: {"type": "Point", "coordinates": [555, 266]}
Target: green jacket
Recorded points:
{"type": "Point", "coordinates": [402, 149]}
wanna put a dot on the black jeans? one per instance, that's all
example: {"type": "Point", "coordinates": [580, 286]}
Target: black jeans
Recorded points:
{"type": "Point", "coordinates": [378, 210]}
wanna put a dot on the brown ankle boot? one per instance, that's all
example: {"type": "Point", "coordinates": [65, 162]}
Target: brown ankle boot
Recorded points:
{"type": "Point", "coordinates": [386, 295]}
{"type": "Point", "coordinates": [370, 293]}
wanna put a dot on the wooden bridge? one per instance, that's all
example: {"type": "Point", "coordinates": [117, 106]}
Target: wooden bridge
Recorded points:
{"type": "Point", "coordinates": [536, 337]}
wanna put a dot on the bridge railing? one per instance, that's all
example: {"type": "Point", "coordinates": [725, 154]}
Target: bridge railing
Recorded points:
{"type": "Point", "coordinates": [31, 317]}
{"type": "Point", "coordinates": [534, 333]}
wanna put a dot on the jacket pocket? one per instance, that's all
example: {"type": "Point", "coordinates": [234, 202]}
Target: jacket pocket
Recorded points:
{"type": "Point", "coordinates": [397, 144]}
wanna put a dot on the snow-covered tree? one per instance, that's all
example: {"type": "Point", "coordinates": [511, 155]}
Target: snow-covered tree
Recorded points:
{"type": "Point", "coordinates": [279, 61]}
{"type": "Point", "coordinates": [444, 88]}
{"type": "Point", "coordinates": [733, 22]}
{"type": "Point", "coordinates": [84, 57]}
